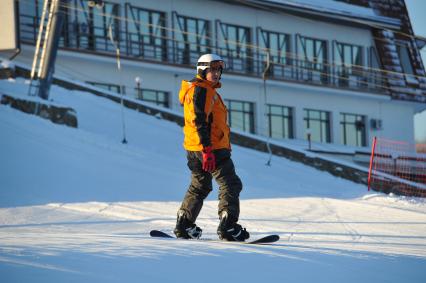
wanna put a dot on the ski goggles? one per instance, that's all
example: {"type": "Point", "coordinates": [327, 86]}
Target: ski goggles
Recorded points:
{"type": "Point", "coordinates": [217, 65]}
{"type": "Point", "coordinates": [213, 65]}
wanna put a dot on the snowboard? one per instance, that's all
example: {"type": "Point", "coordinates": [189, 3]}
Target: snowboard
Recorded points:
{"type": "Point", "coordinates": [261, 241]}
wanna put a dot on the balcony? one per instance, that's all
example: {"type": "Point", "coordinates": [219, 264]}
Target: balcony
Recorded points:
{"type": "Point", "coordinates": [164, 50]}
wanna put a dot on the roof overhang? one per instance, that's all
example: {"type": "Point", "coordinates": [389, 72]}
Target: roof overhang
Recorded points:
{"type": "Point", "coordinates": [420, 41]}
{"type": "Point", "coordinates": [418, 107]}
{"type": "Point", "coordinates": [320, 13]}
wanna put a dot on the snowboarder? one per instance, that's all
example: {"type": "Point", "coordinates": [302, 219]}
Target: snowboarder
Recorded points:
{"type": "Point", "coordinates": [208, 153]}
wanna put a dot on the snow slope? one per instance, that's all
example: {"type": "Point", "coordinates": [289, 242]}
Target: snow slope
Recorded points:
{"type": "Point", "coordinates": [76, 205]}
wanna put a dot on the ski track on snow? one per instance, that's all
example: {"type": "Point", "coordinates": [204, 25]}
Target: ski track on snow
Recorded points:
{"type": "Point", "coordinates": [78, 205]}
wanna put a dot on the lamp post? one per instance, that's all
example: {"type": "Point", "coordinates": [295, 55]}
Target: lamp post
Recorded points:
{"type": "Point", "coordinates": [138, 88]}
{"type": "Point", "coordinates": [309, 134]}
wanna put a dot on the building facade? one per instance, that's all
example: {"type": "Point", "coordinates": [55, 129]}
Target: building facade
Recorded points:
{"type": "Point", "coordinates": [342, 71]}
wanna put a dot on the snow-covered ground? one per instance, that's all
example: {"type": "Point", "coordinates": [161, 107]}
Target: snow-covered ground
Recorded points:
{"type": "Point", "coordinates": [76, 205]}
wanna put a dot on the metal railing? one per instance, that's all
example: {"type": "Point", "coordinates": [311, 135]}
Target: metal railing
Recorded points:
{"type": "Point", "coordinates": [170, 51]}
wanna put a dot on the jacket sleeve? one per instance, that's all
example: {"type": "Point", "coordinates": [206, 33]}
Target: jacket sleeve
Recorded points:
{"type": "Point", "coordinates": [202, 117]}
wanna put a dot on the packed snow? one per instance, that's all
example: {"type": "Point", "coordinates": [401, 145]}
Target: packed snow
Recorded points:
{"type": "Point", "coordinates": [77, 205]}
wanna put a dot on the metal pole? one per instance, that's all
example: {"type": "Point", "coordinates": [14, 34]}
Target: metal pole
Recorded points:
{"type": "Point", "coordinates": [39, 38]}
{"type": "Point", "coordinates": [53, 34]}
{"type": "Point", "coordinates": [265, 74]}
{"type": "Point", "coordinates": [370, 170]}
{"type": "Point", "coordinates": [124, 141]}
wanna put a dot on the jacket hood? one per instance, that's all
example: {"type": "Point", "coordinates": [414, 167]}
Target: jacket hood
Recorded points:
{"type": "Point", "coordinates": [197, 81]}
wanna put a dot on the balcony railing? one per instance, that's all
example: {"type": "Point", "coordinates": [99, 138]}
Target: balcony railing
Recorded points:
{"type": "Point", "coordinates": [165, 50]}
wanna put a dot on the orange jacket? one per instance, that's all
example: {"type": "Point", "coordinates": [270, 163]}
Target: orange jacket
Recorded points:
{"type": "Point", "coordinates": [205, 115]}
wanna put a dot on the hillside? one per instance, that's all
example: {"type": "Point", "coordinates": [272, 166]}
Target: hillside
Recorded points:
{"type": "Point", "coordinates": [78, 205]}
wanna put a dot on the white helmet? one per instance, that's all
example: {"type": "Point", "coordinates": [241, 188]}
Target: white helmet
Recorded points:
{"type": "Point", "coordinates": [210, 60]}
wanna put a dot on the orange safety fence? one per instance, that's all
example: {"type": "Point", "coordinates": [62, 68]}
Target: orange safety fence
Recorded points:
{"type": "Point", "coordinates": [421, 148]}
{"type": "Point", "coordinates": [396, 166]}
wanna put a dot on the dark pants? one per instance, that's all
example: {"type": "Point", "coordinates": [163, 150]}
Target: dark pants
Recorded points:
{"type": "Point", "coordinates": [229, 183]}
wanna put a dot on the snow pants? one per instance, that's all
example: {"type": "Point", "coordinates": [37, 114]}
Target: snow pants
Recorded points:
{"type": "Point", "coordinates": [229, 183]}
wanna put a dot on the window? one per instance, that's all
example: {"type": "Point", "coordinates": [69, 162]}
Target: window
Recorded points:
{"type": "Point", "coordinates": [110, 87]}
{"type": "Point", "coordinates": [233, 45]}
{"type": "Point", "coordinates": [192, 38]}
{"type": "Point", "coordinates": [319, 124]}
{"type": "Point", "coordinates": [29, 15]}
{"type": "Point", "coordinates": [154, 96]}
{"type": "Point", "coordinates": [403, 49]}
{"type": "Point", "coordinates": [84, 27]}
{"type": "Point", "coordinates": [88, 27]}
{"type": "Point", "coordinates": [353, 129]}
{"type": "Point", "coordinates": [146, 33]}
{"type": "Point", "coordinates": [374, 59]}
{"type": "Point", "coordinates": [349, 61]}
{"type": "Point", "coordinates": [404, 57]}
{"type": "Point", "coordinates": [347, 55]}
{"type": "Point", "coordinates": [278, 45]}
{"type": "Point", "coordinates": [280, 121]}
{"type": "Point", "coordinates": [312, 59]}
{"type": "Point", "coordinates": [375, 79]}
{"type": "Point", "coordinates": [241, 115]}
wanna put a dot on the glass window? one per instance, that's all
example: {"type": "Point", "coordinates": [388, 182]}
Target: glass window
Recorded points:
{"type": "Point", "coordinates": [357, 52]}
{"type": "Point", "coordinates": [107, 86]}
{"type": "Point", "coordinates": [233, 45]}
{"type": "Point", "coordinates": [308, 50]}
{"type": "Point", "coordinates": [236, 105]}
{"type": "Point", "coordinates": [348, 54]}
{"type": "Point", "coordinates": [148, 95]}
{"type": "Point", "coordinates": [241, 115]}
{"type": "Point", "coordinates": [278, 45]}
{"type": "Point", "coordinates": [157, 97]}
{"type": "Point", "coordinates": [237, 120]}
{"type": "Point", "coordinates": [319, 124]}
{"type": "Point", "coordinates": [353, 129]}
{"type": "Point", "coordinates": [29, 18]}
{"type": "Point", "coordinates": [84, 27]}
{"type": "Point", "coordinates": [88, 27]}
{"type": "Point", "coordinates": [375, 77]}
{"type": "Point", "coordinates": [192, 38]}
{"type": "Point", "coordinates": [374, 59]}
{"type": "Point", "coordinates": [146, 33]}
{"type": "Point", "coordinates": [312, 50]}
{"type": "Point", "coordinates": [312, 59]}
{"type": "Point", "coordinates": [404, 57]}
{"type": "Point", "coordinates": [349, 61]}
{"type": "Point", "coordinates": [280, 121]}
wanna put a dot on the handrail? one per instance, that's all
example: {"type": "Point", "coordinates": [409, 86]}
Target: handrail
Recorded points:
{"type": "Point", "coordinates": [151, 47]}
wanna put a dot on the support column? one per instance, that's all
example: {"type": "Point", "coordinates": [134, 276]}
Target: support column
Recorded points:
{"type": "Point", "coordinates": [48, 64]}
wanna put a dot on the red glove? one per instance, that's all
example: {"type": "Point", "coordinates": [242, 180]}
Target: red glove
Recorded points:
{"type": "Point", "coordinates": [209, 160]}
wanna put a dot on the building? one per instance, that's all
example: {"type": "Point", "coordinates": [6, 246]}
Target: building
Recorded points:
{"type": "Point", "coordinates": [343, 71]}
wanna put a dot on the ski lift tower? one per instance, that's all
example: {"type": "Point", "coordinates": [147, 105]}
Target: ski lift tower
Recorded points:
{"type": "Point", "coordinates": [46, 47]}
{"type": "Point", "coordinates": [51, 21]}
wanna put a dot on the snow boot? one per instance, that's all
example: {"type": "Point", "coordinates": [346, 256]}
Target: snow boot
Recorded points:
{"type": "Point", "coordinates": [229, 230]}
{"type": "Point", "coordinates": [185, 229]}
